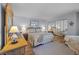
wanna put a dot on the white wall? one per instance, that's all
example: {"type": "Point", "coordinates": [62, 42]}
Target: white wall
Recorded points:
{"type": "Point", "coordinates": [46, 11]}
{"type": "Point", "coordinates": [19, 20]}
{"type": "Point", "coordinates": [72, 30]}
{"type": "Point", "coordinates": [43, 10]}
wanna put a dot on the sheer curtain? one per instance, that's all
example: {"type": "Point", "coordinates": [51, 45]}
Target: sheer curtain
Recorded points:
{"type": "Point", "coordinates": [61, 25]}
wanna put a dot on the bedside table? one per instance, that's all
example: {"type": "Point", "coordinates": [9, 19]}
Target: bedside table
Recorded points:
{"type": "Point", "coordinates": [20, 48]}
{"type": "Point", "coordinates": [14, 48]}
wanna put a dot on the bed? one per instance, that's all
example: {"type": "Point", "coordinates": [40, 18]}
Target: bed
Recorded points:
{"type": "Point", "coordinates": [44, 44]}
{"type": "Point", "coordinates": [40, 38]}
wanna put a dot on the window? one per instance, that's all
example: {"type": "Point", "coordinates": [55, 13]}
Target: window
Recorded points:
{"type": "Point", "coordinates": [61, 25]}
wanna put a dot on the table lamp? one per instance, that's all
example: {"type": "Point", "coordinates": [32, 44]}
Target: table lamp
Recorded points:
{"type": "Point", "coordinates": [14, 30]}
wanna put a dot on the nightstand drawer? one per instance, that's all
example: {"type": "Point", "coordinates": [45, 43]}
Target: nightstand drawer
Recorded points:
{"type": "Point", "coordinates": [19, 51]}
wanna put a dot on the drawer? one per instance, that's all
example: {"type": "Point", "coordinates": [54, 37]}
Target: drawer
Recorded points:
{"type": "Point", "coordinates": [19, 51]}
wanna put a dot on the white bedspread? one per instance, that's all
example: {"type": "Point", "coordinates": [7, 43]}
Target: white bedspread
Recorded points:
{"type": "Point", "coordinates": [40, 38]}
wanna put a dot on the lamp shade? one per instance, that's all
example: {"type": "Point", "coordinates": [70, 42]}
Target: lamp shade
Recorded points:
{"type": "Point", "coordinates": [14, 29]}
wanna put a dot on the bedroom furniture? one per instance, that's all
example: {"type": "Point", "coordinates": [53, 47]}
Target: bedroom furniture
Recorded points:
{"type": "Point", "coordinates": [40, 38]}
{"type": "Point", "coordinates": [73, 43]}
{"type": "Point", "coordinates": [12, 48]}
{"type": "Point", "coordinates": [29, 49]}
{"type": "Point", "coordinates": [23, 47]}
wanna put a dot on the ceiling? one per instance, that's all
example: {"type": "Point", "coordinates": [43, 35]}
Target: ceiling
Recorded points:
{"type": "Point", "coordinates": [44, 10]}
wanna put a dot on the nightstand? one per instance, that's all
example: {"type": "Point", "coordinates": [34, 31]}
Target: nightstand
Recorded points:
{"type": "Point", "coordinates": [20, 48]}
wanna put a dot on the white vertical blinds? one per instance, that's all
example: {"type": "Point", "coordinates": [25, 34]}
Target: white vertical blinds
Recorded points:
{"type": "Point", "coordinates": [61, 25]}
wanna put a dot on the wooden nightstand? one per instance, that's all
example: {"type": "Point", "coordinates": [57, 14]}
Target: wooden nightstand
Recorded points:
{"type": "Point", "coordinates": [20, 48]}
{"type": "Point", "coordinates": [28, 49]}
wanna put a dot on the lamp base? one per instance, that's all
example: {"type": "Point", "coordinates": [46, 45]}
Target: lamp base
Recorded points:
{"type": "Point", "coordinates": [14, 42]}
